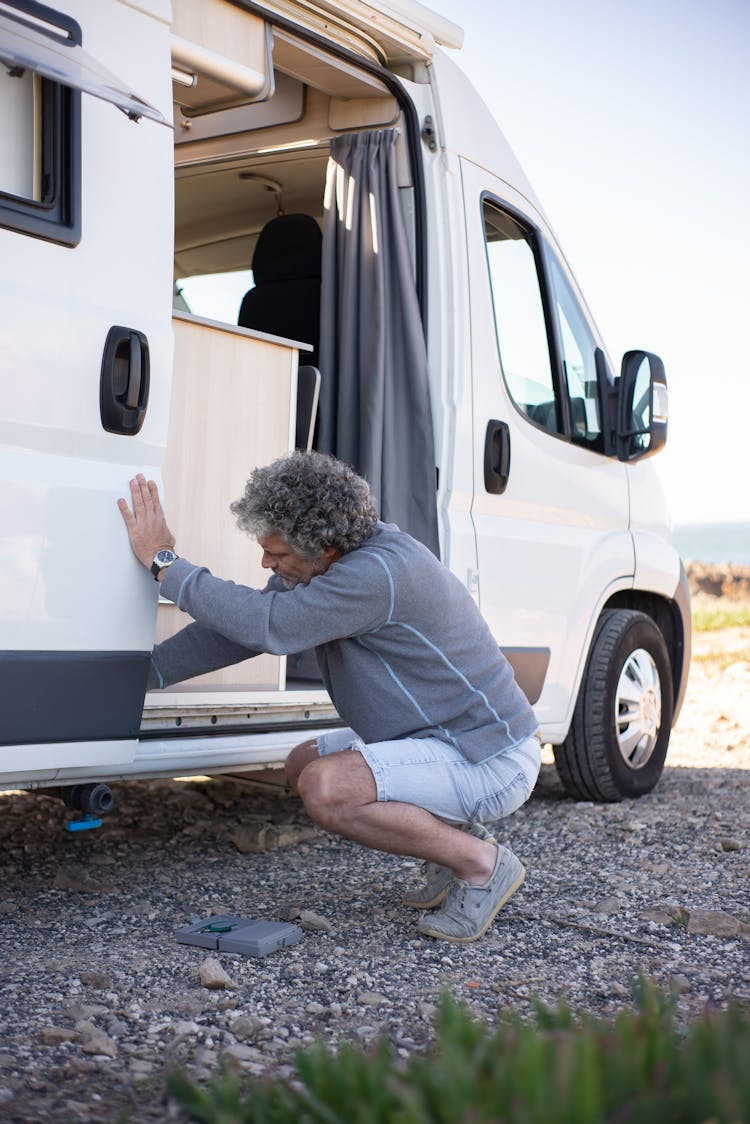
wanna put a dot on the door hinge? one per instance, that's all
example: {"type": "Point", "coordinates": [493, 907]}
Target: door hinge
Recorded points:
{"type": "Point", "coordinates": [429, 136]}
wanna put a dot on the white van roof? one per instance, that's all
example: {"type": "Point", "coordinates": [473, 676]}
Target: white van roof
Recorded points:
{"type": "Point", "coordinates": [401, 29]}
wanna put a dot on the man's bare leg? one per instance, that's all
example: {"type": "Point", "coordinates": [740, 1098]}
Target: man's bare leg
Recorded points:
{"type": "Point", "coordinates": [339, 793]}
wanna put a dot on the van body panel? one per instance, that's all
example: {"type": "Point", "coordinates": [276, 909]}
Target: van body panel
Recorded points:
{"type": "Point", "coordinates": [69, 586]}
{"type": "Point", "coordinates": [558, 534]}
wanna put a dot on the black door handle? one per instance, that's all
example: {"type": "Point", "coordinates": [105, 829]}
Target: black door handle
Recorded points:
{"type": "Point", "coordinates": [496, 457]}
{"type": "Point", "coordinates": [124, 381]}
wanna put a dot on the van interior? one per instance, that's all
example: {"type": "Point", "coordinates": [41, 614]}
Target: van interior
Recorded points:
{"type": "Point", "coordinates": [253, 136]}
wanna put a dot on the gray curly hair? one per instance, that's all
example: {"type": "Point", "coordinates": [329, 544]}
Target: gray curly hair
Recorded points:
{"type": "Point", "coordinates": [312, 499]}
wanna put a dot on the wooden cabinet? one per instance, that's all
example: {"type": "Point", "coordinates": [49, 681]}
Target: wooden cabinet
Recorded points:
{"type": "Point", "coordinates": [233, 407]}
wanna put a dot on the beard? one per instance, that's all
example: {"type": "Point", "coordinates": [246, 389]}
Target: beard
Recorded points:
{"type": "Point", "coordinates": [317, 567]}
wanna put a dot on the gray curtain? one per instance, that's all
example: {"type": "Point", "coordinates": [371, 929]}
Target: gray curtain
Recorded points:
{"type": "Point", "coordinates": [374, 402]}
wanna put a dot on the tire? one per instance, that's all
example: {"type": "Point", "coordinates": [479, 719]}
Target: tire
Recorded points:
{"type": "Point", "coordinates": [605, 757]}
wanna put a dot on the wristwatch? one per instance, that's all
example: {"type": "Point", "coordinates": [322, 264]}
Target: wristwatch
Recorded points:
{"type": "Point", "coordinates": [162, 558]}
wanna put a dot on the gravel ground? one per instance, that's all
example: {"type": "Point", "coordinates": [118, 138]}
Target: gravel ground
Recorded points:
{"type": "Point", "coordinates": [99, 1002]}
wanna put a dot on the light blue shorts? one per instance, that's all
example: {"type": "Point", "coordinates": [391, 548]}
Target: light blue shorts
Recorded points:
{"type": "Point", "coordinates": [434, 775]}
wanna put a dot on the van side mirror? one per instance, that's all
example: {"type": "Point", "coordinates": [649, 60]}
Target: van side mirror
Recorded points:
{"type": "Point", "coordinates": [642, 406]}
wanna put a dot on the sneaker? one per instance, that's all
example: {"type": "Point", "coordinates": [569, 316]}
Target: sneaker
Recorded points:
{"type": "Point", "coordinates": [438, 878]}
{"type": "Point", "coordinates": [468, 911]}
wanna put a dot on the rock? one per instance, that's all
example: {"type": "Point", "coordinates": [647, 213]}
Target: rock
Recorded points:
{"type": "Point", "coordinates": [100, 1044]}
{"type": "Point", "coordinates": [716, 923]}
{"type": "Point", "coordinates": [141, 1068]}
{"type": "Point", "coordinates": [246, 1026]}
{"type": "Point", "coordinates": [212, 975]}
{"type": "Point", "coordinates": [731, 845]}
{"type": "Point", "coordinates": [372, 999]}
{"type": "Point", "coordinates": [314, 922]}
{"type": "Point", "coordinates": [658, 916]}
{"type": "Point", "coordinates": [7, 908]}
{"type": "Point", "coordinates": [426, 1011]}
{"type": "Point", "coordinates": [185, 1027]}
{"type": "Point", "coordinates": [250, 839]}
{"type": "Point", "coordinates": [54, 1035]}
{"type": "Point", "coordinates": [607, 906]}
{"type": "Point", "coordinates": [289, 912]}
{"type": "Point", "coordinates": [239, 1053]}
{"type": "Point", "coordinates": [721, 580]}
{"type": "Point", "coordinates": [92, 978]}
{"type": "Point", "coordinates": [255, 837]}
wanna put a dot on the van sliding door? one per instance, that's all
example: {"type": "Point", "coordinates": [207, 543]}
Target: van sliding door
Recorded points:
{"type": "Point", "coordinates": [85, 280]}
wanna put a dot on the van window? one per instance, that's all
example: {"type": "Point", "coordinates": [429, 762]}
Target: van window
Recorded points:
{"type": "Point", "coordinates": [579, 361]}
{"type": "Point", "coordinates": [40, 127]}
{"type": "Point", "coordinates": [519, 319]}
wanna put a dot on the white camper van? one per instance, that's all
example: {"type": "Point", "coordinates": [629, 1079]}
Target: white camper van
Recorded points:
{"type": "Point", "coordinates": [409, 310]}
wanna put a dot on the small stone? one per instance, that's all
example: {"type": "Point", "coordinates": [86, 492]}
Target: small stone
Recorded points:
{"type": "Point", "coordinates": [100, 1044]}
{"type": "Point", "coordinates": [7, 908]}
{"type": "Point", "coordinates": [250, 839]}
{"type": "Point", "coordinates": [679, 983]}
{"type": "Point", "coordinates": [731, 845]}
{"type": "Point", "coordinates": [618, 989]}
{"type": "Point", "coordinates": [240, 1053]}
{"type": "Point", "coordinates": [372, 999]}
{"type": "Point", "coordinates": [139, 1067]}
{"type": "Point", "coordinates": [96, 979]}
{"type": "Point", "coordinates": [660, 915]}
{"type": "Point", "coordinates": [246, 1026]}
{"type": "Point", "coordinates": [54, 1035]}
{"type": "Point", "coordinates": [185, 1027]}
{"type": "Point", "coordinates": [289, 912]}
{"type": "Point", "coordinates": [212, 975]}
{"type": "Point", "coordinates": [426, 1011]}
{"type": "Point", "coordinates": [314, 922]}
{"type": "Point", "coordinates": [607, 906]}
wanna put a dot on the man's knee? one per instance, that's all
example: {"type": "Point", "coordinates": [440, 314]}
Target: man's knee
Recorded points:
{"type": "Point", "coordinates": [332, 788]}
{"type": "Point", "coordinates": [298, 759]}
{"type": "Point", "coordinates": [315, 786]}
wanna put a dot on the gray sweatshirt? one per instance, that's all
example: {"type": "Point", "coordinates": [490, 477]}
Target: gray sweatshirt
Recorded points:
{"type": "Point", "coordinates": [402, 648]}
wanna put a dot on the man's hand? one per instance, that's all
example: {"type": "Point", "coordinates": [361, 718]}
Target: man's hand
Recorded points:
{"type": "Point", "coordinates": [146, 524]}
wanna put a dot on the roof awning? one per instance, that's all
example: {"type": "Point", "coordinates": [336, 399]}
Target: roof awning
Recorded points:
{"type": "Point", "coordinates": [23, 47]}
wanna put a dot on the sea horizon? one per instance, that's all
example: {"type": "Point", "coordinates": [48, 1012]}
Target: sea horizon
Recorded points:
{"type": "Point", "coordinates": [713, 543]}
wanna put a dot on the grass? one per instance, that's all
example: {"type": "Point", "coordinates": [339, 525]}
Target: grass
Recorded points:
{"type": "Point", "coordinates": [716, 613]}
{"type": "Point", "coordinates": [638, 1068]}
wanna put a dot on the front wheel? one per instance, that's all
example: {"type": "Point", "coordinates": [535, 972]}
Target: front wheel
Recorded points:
{"type": "Point", "coordinates": [623, 716]}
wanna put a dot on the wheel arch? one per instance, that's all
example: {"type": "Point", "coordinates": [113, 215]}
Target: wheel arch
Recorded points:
{"type": "Point", "coordinates": [672, 618]}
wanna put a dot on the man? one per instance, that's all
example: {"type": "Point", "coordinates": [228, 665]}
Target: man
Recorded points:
{"type": "Point", "coordinates": [439, 738]}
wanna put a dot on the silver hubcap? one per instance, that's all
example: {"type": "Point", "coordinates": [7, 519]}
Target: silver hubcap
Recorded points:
{"type": "Point", "coordinates": [638, 708]}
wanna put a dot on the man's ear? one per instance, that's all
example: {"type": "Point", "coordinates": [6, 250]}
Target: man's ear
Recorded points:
{"type": "Point", "coordinates": [331, 553]}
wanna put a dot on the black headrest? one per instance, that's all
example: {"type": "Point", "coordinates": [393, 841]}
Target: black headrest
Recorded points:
{"type": "Point", "coordinates": [288, 249]}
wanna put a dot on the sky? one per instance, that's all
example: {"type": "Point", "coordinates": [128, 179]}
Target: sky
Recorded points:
{"type": "Point", "coordinates": [632, 120]}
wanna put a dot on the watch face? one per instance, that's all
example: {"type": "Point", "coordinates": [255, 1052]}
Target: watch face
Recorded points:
{"type": "Point", "coordinates": [164, 557]}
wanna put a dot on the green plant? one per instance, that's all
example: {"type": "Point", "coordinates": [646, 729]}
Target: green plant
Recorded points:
{"type": "Point", "coordinates": [555, 1069]}
{"type": "Point", "coordinates": [719, 613]}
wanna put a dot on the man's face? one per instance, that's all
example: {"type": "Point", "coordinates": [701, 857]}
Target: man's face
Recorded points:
{"type": "Point", "coordinates": [287, 564]}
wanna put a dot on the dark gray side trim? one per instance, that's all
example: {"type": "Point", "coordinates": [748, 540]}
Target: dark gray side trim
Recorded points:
{"type": "Point", "coordinates": [71, 696]}
{"type": "Point", "coordinates": [530, 666]}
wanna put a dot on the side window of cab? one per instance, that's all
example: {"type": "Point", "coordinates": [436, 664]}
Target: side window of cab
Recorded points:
{"type": "Point", "coordinates": [548, 356]}
{"type": "Point", "coordinates": [520, 320]}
